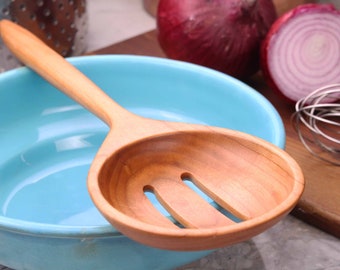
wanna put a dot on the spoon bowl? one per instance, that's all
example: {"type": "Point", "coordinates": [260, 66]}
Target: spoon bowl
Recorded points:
{"type": "Point", "coordinates": [216, 189]}
{"type": "Point", "coordinates": [252, 180]}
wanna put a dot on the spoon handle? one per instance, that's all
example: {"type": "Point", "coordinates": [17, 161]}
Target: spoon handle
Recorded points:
{"type": "Point", "coordinates": [55, 69]}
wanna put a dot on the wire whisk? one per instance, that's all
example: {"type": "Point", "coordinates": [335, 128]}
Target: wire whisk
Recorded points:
{"type": "Point", "coordinates": [317, 123]}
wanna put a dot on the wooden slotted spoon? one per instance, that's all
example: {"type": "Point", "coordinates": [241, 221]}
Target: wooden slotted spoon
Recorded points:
{"type": "Point", "coordinates": [253, 181]}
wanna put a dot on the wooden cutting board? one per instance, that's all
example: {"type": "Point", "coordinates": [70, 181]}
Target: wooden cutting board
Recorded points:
{"type": "Point", "coordinates": [320, 202]}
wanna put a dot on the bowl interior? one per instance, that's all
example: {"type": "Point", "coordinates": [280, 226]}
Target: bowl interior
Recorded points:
{"type": "Point", "coordinates": [48, 141]}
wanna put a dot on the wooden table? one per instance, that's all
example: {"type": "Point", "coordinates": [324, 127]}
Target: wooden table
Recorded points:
{"type": "Point", "coordinates": [320, 202]}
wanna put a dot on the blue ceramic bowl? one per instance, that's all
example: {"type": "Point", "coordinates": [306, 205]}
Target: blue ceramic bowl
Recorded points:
{"type": "Point", "coordinates": [47, 142]}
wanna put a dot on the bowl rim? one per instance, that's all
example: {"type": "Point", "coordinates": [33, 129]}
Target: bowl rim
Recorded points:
{"type": "Point", "coordinates": [107, 230]}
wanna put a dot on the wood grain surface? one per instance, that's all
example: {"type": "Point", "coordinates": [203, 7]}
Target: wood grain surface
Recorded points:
{"type": "Point", "coordinates": [157, 156]}
{"type": "Point", "coordinates": [320, 203]}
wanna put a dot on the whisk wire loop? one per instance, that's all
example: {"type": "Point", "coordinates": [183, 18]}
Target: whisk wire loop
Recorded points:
{"type": "Point", "coordinates": [317, 123]}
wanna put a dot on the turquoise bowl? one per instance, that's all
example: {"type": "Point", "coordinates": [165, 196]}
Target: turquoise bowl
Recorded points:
{"type": "Point", "coordinates": [47, 142]}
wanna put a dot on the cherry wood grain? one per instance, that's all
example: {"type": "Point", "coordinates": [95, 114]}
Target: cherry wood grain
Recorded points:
{"type": "Point", "coordinates": [320, 202]}
{"type": "Point", "coordinates": [256, 181]}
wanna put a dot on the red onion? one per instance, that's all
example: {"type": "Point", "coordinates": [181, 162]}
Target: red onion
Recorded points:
{"type": "Point", "coordinates": [220, 34]}
{"type": "Point", "coordinates": [301, 52]}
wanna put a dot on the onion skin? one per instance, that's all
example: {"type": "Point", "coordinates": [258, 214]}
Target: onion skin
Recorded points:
{"type": "Point", "coordinates": [309, 71]}
{"type": "Point", "coordinates": [221, 34]}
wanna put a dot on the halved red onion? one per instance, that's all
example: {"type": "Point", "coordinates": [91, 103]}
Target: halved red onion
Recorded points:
{"type": "Point", "coordinates": [301, 51]}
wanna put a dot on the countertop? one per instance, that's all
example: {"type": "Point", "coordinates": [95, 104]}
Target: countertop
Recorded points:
{"type": "Point", "coordinates": [291, 244]}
